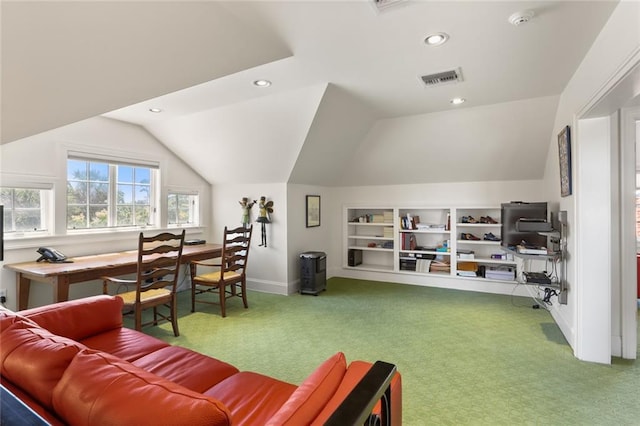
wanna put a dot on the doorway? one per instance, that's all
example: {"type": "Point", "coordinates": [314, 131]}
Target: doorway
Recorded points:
{"type": "Point", "coordinates": [612, 121]}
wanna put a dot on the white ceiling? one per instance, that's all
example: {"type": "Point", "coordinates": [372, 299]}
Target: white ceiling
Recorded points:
{"type": "Point", "coordinates": [346, 97]}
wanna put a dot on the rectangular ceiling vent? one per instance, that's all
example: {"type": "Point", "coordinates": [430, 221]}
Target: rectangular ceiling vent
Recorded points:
{"type": "Point", "coordinates": [444, 77]}
{"type": "Point", "coordinates": [384, 5]}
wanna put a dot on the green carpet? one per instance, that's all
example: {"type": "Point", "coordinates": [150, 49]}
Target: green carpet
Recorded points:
{"type": "Point", "coordinates": [465, 358]}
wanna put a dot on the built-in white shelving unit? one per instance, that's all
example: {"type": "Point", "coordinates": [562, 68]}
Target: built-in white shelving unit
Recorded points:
{"type": "Point", "coordinates": [427, 242]}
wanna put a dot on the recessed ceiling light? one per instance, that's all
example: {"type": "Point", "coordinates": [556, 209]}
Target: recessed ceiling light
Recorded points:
{"type": "Point", "coordinates": [156, 110]}
{"type": "Point", "coordinates": [520, 18]}
{"type": "Point", "coordinates": [262, 83]}
{"type": "Point", "coordinates": [436, 39]}
{"type": "Point", "coordinates": [457, 101]}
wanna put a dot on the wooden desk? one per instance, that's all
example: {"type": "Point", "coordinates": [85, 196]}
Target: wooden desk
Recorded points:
{"type": "Point", "coordinates": [87, 268]}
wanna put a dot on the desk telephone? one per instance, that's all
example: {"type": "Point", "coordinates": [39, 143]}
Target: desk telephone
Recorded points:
{"type": "Point", "coordinates": [51, 255]}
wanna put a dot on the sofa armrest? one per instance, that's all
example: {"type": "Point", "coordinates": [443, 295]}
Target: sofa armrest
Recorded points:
{"type": "Point", "coordinates": [357, 406]}
{"type": "Point", "coordinates": [80, 318]}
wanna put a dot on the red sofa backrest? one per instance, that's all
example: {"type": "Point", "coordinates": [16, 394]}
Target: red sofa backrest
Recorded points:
{"type": "Point", "coordinates": [81, 318]}
{"type": "Point", "coordinates": [119, 393]}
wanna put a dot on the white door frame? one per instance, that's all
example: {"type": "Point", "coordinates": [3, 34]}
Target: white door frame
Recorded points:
{"type": "Point", "coordinates": [628, 245]}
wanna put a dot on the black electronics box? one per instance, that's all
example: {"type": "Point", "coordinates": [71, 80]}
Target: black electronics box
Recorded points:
{"type": "Point", "coordinates": [408, 264]}
{"type": "Point", "coordinates": [355, 257]}
{"type": "Point", "coordinates": [533, 225]}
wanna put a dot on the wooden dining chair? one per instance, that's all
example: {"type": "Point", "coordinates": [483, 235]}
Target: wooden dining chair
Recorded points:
{"type": "Point", "coordinates": [229, 277]}
{"type": "Point", "coordinates": [159, 259]}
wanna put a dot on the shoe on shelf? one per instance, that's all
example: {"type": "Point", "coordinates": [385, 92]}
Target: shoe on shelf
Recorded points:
{"type": "Point", "coordinates": [469, 219]}
{"type": "Point", "coordinates": [470, 237]}
{"type": "Point", "coordinates": [488, 219]}
{"type": "Point", "coordinates": [490, 237]}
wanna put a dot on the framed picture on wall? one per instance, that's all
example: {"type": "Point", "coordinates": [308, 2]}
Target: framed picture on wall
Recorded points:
{"type": "Point", "coordinates": [564, 154]}
{"type": "Point", "coordinates": [313, 211]}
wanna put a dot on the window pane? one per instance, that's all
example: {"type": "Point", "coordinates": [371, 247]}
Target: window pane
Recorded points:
{"type": "Point", "coordinates": [27, 198]}
{"type": "Point", "coordinates": [125, 194]}
{"type": "Point", "coordinates": [76, 170]}
{"type": "Point", "coordinates": [99, 172]}
{"type": "Point", "coordinates": [99, 193]}
{"type": "Point", "coordinates": [142, 194]}
{"type": "Point", "coordinates": [125, 174]}
{"type": "Point", "coordinates": [99, 216]}
{"type": "Point", "coordinates": [125, 215]}
{"type": "Point", "coordinates": [142, 215]}
{"type": "Point", "coordinates": [172, 210]}
{"type": "Point", "coordinates": [143, 175]}
{"type": "Point", "coordinates": [6, 198]}
{"type": "Point", "coordinates": [8, 220]}
{"type": "Point", "coordinates": [27, 220]}
{"type": "Point", "coordinates": [23, 210]}
{"type": "Point", "coordinates": [76, 217]}
{"type": "Point", "coordinates": [76, 192]}
{"type": "Point", "coordinates": [182, 209]}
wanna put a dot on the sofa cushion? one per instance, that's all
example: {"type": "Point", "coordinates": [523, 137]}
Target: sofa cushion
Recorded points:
{"type": "Point", "coordinates": [251, 397]}
{"type": "Point", "coordinates": [34, 359]}
{"type": "Point", "coordinates": [8, 317]}
{"type": "Point", "coordinates": [190, 369]}
{"type": "Point", "coordinates": [119, 393]}
{"type": "Point", "coordinates": [313, 394]}
{"type": "Point", "coordinates": [125, 343]}
{"type": "Point", "coordinates": [80, 318]}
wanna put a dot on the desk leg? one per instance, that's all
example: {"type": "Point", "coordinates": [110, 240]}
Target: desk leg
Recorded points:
{"type": "Point", "coordinates": [61, 288]}
{"type": "Point", "coordinates": [23, 285]}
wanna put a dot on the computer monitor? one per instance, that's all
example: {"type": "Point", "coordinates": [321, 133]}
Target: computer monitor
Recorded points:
{"type": "Point", "coordinates": [511, 212]}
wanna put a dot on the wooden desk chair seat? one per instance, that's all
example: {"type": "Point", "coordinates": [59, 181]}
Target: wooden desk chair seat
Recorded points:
{"type": "Point", "coordinates": [229, 280]}
{"type": "Point", "coordinates": [156, 280]}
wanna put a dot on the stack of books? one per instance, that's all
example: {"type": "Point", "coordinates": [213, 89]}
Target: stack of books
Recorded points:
{"type": "Point", "coordinates": [466, 254]}
{"type": "Point", "coordinates": [467, 269]}
{"type": "Point", "coordinates": [388, 232]}
{"type": "Point", "coordinates": [378, 218]}
{"type": "Point", "coordinates": [440, 266]}
{"type": "Point", "coordinates": [387, 217]}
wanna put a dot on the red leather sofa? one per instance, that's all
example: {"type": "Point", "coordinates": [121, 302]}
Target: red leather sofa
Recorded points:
{"type": "Point", "coordinates": [74, 363]}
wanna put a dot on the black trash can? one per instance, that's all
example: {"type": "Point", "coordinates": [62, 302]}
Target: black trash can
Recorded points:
{"type": "Point", "coordinates": [313, 272]}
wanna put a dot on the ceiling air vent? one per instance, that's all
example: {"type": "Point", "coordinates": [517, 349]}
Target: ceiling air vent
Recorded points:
{"type": "Point", "coordinates": [444, 77]}
{"type": "Point", "coordinates": [383, 5]}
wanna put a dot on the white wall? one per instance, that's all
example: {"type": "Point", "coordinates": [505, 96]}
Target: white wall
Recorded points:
{"type": "Point", "coordinates": [612, 51]}
{"type": "Point", "coordinates": [267, 269]}
{"type": "Point", "coordinates": [42, 158]}
{"type": "Point", "coordinates": [301, 238]}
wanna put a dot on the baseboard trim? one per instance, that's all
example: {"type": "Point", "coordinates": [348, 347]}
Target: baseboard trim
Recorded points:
{"type": "Point", "coordinates": [265, 286]}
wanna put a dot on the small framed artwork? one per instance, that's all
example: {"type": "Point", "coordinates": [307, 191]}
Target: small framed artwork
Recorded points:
{"type": "Point", "coordinates": [313, 211]}
{"type": "Point", "coordinates": [564, 154]}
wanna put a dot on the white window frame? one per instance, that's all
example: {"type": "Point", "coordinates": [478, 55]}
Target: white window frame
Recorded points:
{"type": "Point", "coordinates": [113, 162]}
{"type": "Point", "coordinates": [194, 211]}
{"type": "Point", "coordinates": [46, 209]}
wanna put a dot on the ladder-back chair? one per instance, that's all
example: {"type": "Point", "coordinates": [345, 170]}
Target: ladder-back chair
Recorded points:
{"type": "Point", "coordinates": [159, 259]}
{"type": "Point", "coordinates": [229, 279]}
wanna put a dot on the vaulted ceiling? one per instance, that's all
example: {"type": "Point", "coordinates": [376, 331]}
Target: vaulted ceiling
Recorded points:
{"type": "Point", "coordinates": [346, 105]}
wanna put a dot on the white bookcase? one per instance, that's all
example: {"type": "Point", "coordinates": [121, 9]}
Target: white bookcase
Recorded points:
{"type": "Point", "coordinates": [420, 241]}
{"type": "Point", "coordinates": [371, 231]}
{"type": "Point", "coordinates": [487, 254]}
